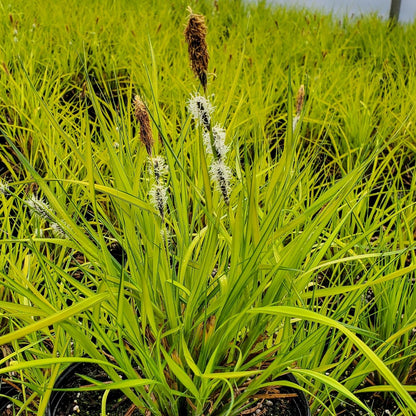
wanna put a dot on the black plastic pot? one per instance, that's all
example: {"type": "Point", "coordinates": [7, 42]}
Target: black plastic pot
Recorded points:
{"type": "Point", "coordinates": [300, 402]}
{"type": "Point", "coordinates": [9, 392]}
{"type": "Point", "coordinates": [298, 405]}
{"type": "Point", "coordinates": [64, 402]}
{"type": "Point", "coordinates": [57, 396]}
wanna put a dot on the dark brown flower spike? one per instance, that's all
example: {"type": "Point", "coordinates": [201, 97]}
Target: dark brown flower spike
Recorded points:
{"type": "Point", "coordinates": [142, 116]}
{"type": "Point", "coordinates": [195, 34]}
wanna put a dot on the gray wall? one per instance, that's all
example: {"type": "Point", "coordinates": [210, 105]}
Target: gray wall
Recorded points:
{"type": "Point", "coordinates": [342, 7]}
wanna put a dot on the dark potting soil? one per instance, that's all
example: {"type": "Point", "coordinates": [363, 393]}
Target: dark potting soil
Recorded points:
{"type": "Point", "coordinates": [272, 407]}
{"type": "Point", "coordinates": [380, 405]}
{"type": "Point", "coordinates": [88, 403]}
{"type": "Point", "coordinates": [279, 401]}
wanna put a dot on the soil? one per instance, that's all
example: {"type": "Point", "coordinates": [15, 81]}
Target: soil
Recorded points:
{"type": "Point", "coordinates": [378, 404]}
{"type": "Point", "coordinates": [89, 403]}
{"type": "Point", "coordinates": [75, 403]}
{"type": "Point", "coordinates": [274, 407]}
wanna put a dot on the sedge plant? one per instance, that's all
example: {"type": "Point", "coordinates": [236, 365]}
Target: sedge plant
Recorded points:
{"type": "Point", "coordinates": [126, 251]}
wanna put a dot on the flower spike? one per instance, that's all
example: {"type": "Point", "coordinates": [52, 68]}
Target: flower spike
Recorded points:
{"type": "Point", "coordinates": [142, 116]}
{"type": "Point", "coordinates": [195, 34]}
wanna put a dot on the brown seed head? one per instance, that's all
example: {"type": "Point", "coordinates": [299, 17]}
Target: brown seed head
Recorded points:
{"type": "Point", "coordinates": [300, 98]}
{"type": "Point", "coordinates": [142, 116]}
{"type": "Point", "coordinates": [195, 34]}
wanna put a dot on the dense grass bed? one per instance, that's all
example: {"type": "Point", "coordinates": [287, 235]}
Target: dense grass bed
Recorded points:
{"type": "Point", "coordinates": [309, 267]}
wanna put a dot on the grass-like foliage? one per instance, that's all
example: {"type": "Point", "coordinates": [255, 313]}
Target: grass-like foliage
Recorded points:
{"type": "Point", "coordinates": [198, 256]}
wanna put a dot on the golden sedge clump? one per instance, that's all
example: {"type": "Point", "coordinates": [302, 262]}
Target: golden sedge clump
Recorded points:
{"type": "Point", "coordinates": [195, 34]}
{"type": "Point", "coordinates": [142, 116]}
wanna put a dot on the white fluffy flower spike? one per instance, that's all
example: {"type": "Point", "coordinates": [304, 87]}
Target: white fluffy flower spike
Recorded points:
{"type": "Point", "coordinates": [58, 231]}
{"type": "Point", "coordinates": [218, 134]}
{"type": "Point", "coordinates": [39, 207]}
{"type": "Point", "coordinates": [214, 141]}
{"type": "Point", "coordinates": [221, 174]}
{"type": "Point", "coordinates": [4, 188]}
{"type": "Point", "coordinates": [159, 198]}
{"type": "Point", "coordinates": [201, 110]}
{"type": "Point", "coordinates": [158, 167]}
